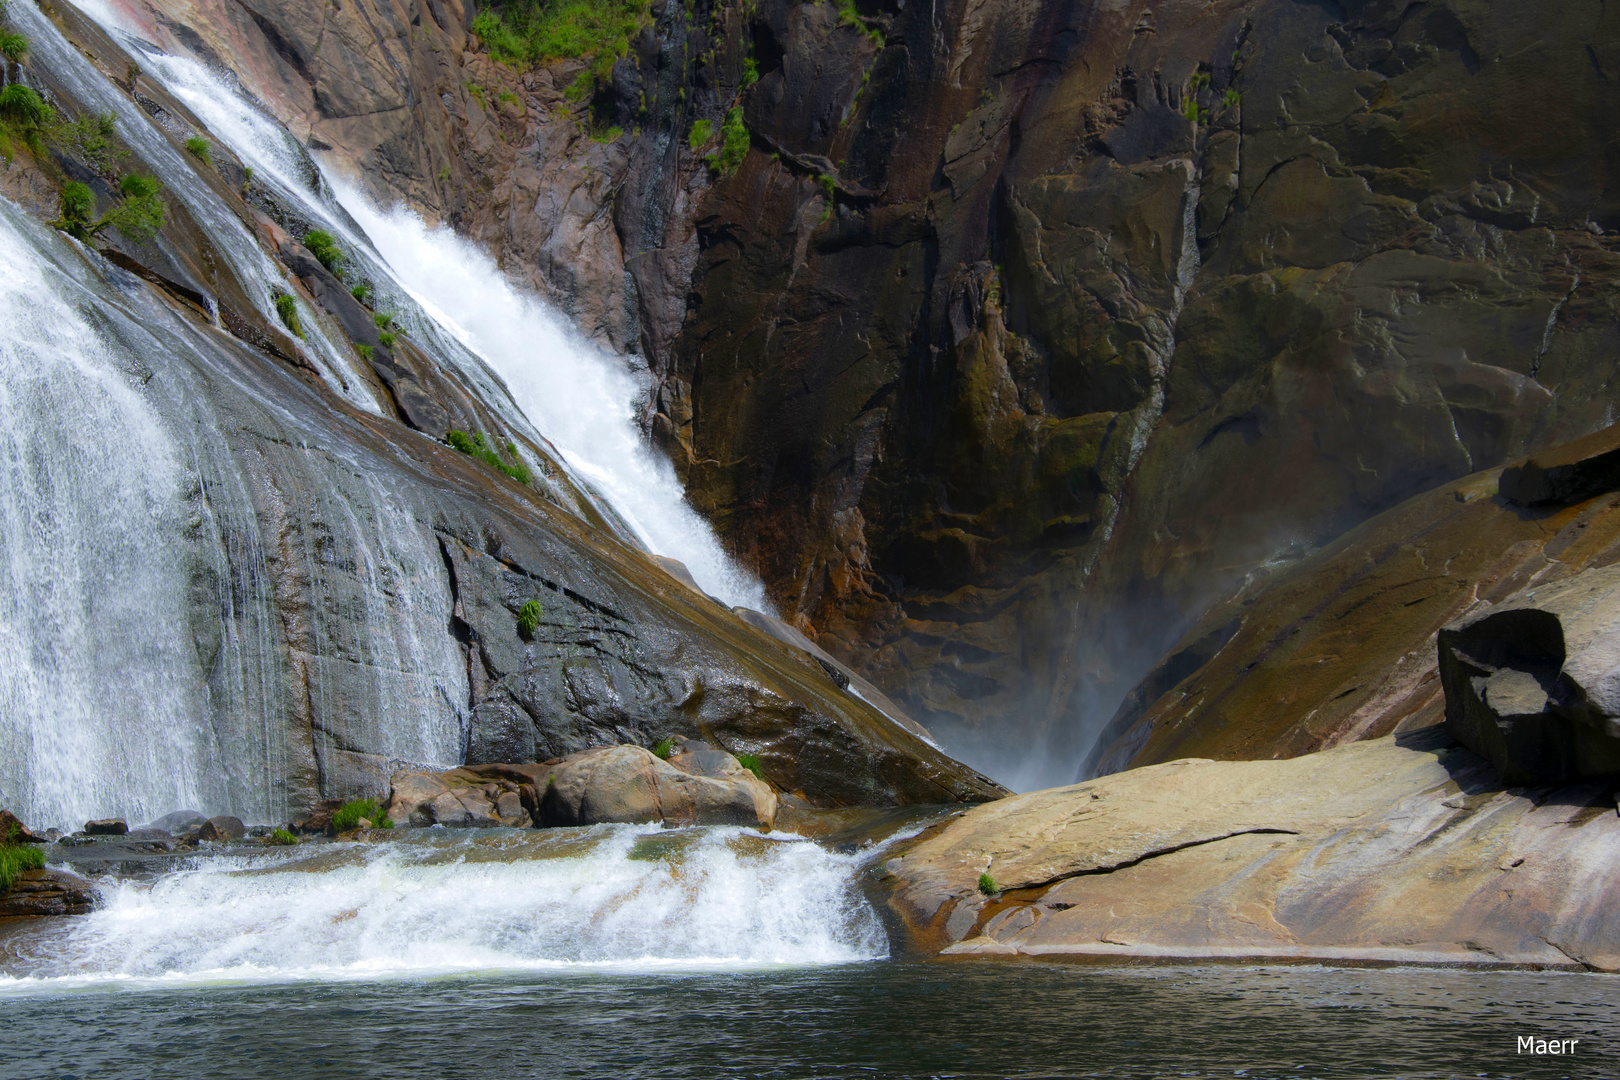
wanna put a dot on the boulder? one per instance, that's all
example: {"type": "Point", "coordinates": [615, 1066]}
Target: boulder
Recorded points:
{"type": "Point", "coordinates": [106, 827]}
{"type": "Point", "coordinates": [1566, 474]}
{"type": "Point", "coordinates": [13, 831]}
{"type": "Point", "coordinates": [222, 828]}
{"type": "Point", "coordinates": [47, 892]}
{"type": "Point", "coordinates": [479, 796]}
{"type": "Point", "coordinates": [629, 784]}
{"type": "Point", "coordinates": [1533, 683]}
{"type": "Point", "coordinates": [178, 822]}
{"type": "Point", "coordinates": [1403, 849]}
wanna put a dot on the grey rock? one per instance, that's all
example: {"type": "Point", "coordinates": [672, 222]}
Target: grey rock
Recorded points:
{"type": "Point", "coordinates": [1533, 684]}
{"type": "Point", "coordinates": [106, 827]}
{"type": "Point", "coordinates": [178, 822]}
{"type": "Point", "coordinates": [223, 827]}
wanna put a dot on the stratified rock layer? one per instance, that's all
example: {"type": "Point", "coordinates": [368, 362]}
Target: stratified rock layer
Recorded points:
{"type": "Point", "coordinates": [1398, 850]}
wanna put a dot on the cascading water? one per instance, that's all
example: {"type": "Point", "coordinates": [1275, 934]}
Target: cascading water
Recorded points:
{"type": "Point", "coordinates": [452, 296]}
{"type": "Point", "coordinates": [441, 902]}
{"type": "Point", "coordinates": [258, 274]}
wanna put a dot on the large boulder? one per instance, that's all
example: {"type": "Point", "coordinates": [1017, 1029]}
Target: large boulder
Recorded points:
{"type": "Point", "coordinates": [1403, 849]}
{"type": "Point", "coordinates": [1533, 684]}
{"type": "Point", "coordinates": [13, 831]}
{"type": "Point", "coordinates": [698, 785]}
{"type": "Point", "coordinates": [630, 785]}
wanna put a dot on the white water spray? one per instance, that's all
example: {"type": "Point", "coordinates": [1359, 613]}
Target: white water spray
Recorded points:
{"type": "Point", "coordinates": [581, 398]}
{"type": "Point", "coordinates": [438, 902]}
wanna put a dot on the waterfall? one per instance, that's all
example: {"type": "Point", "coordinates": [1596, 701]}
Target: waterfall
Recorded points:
{"type": "Point", "coordinates": [439, 902]}
{"type": "Point", "coordinates": [451, 295]}
{"type": "Point", "coordinates": [94, 676]}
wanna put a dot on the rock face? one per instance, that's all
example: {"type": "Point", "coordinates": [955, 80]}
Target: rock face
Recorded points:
{"type": "Point", "coordinates": [697, 785]}
{"type": "Point", "coordinates": [1533, 684]}
{"type": "Point", "coordinates": [1344, 644]}
{"type": "Point", "coordinates": [1016, 342]}
{"type": "Point", "coordinates": [344, 591]}
{"type": "Point", "coordinates": [47, 892]}
{"type": "Point", "coordinates": [1402, 849]}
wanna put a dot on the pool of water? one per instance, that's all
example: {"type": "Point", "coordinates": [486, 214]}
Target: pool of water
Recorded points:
{"type": "Point", "coordinates": [629, 952]}
{"type": "Point", "coordinates": [865, 1019]}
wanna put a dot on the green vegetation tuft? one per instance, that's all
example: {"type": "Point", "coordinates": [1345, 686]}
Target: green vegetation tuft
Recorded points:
{"type": "Point", "coordinates": [849, 15]}
{"type": "Point", "coordinates": [324, 248]}
{"type": "Point", "coordinates": [612, 134]}
{"type": "Point", "coordinates": [382, 319]}
{"type": "Point", "coordinates": [15, 858]}
{"type": "Point", "coordinates": [751, 763]}
{"type": "Point", "coordinates": [477, 446]}
{"type": "Point", "coordinates": [1232, 98]}
{"type": "Point", "coordinates": [700, 134]}
{"type": "Point", "coordinates": [349, 815]}
{"type": "Point", "coordinates": [987, 885]}
{"type": "Point", "coordinates": [387, 340]}
{"type": "Point", "coordinates": [528, 620]}
{"type": "Point", "coordinates": [282, 838]}
{"type": "Point", "coordinates": [137, 216]}
{"type": "Point", "coordinates": [750, 72]}
{"type": "Point", "coordinates": [662, 747]}
{"type": "Point", "coordinates": [361, 292]}
{"type": "Point", "coordinates": [287, 308]}
{"type": "Point", "coordinates": [24, 117]}
{"type": "Point", "coordinates": [734, 141]}
{"type": "Point", "coordinates": [528, 32]}
{"type": "Point", "coordinates": [200, 149]}
{"type": "Point", "coordinates": [365, 351]}
{"type": "Point", "coordinates": [13, 47]}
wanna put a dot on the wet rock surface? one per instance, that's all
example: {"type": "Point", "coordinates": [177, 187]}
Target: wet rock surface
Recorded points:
{"type": "Point", "coordinates": [1405, 849]}
{"type": "Point", "coordinates": [38, 893]}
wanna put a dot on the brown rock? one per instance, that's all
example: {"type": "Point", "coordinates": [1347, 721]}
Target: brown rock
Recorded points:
{"type": "Point", "coordinates": [13, 831]}
{"type": "Point", "coordinates": [1402, 849]}
{"type": "Point", "coordinates": [629, 784]}
{"type": "Point", "coordinates": [1566, 474]}
{"type": "Point", "coordinates": [221, 828]}
{"type": "Point", "coordinates": [106, 827]}
{"type": "Point", "coordinates": [47, 892]}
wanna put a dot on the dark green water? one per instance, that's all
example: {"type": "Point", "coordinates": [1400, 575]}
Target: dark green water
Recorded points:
{"type": "Point", "coordinates": [876, 1019]}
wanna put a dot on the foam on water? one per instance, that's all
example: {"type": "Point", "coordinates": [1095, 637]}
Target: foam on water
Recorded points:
{"type": "Point", "coordinates": [444, 903]}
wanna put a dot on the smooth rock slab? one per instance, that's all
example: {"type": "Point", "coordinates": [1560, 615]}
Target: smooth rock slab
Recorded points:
{"type": "Point", "coordinates": [47, 892]}
{"type": "Point", "coordinates": [628, 784]}
{"type": "Point", "coordinates": [1371, 852]}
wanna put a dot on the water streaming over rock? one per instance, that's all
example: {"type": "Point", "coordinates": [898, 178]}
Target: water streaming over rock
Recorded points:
{"type": "Point", "coordinates": [438, 902]}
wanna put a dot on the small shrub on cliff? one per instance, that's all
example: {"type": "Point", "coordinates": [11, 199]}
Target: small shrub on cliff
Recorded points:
{"type": "Point", "coordinates": [387, 340]}
{"type": "Point", "coordinates": [138, 215]}
{"type": "Point", "coordinates": [382, 319]}
{"type": "Point", "coordinates": [701, 131]}
{"type": "Point", "coordinates": [477, 446]}
{"type": "Point", "coordinates": [24, 116]}
{"type": "Point", "coordinates": [281, 838]}
{"type": "Point", "coordinates": [662, 747]}
{"type": "Point", "coordinates": [527, 32]}
{"type": "Point", "coordinates": [361, 292]}
{"type": "Point", "coordinates": [325, 249]}
{"type": "Point", "coordinates": [350, 813]}
{"type": "Point", "coordinates": [528, 620]}
{"type": "Point", "coordinates": [987, 885]}
{"type": "Point", "coordinates": [751, 763]}
{"type": "Point", "coordinates": [13, 47]}
{"type": "Point", "coordinates": [200, 149]}
{"type": "Point", "coordinates": [734, 141]}
{"type": "Point", "coordinates": [92, 140]}
{"type": "Point", "coordinates": [14, 859]}
{"type": "Point", "coordinates": [287, 308]}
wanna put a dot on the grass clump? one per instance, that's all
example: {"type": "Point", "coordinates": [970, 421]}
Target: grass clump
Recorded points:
{"type": "Point", "coordinates": [987, 885]}
{"type": "Point", "coordinates": [365, 351]}
{"type": "Point", "coordinates": [528, 620]}
{"type": "Point", "coordinates": [138, 215]}
{"type": "Point", "coordinates": [351, 812]}
{"type": "Point", "coordinates": [750, 72]}
{"type": "Point", "coordinates": [325, 249]}
{"type": "Point", "coordinates": [287, 308]}
{"type": "Point", "coordinates": [662, 747]}
{"type": "Point", "coordinates": [383, 319]}
{"type": "Point", "coordinates": [1232, 99]}
{"type": "Point", "coordinates": [751, 763]}
{"type": "Point", "coordinates": [700, 134]}
{"type": "Point", "coordinates": [24, 117]}
{"type": "Point", "coordinates": [734, 141]}
{"type": "Point", "coordinates": [13, 47]}
{"type": "Point", "coordinates": [478, 446]}
{"type": "Point", "coordinates": [387, 340]}
{"type": "Point", "coordinates": [282, 838]}
{"type": "Point", "coordinates": [528, 32]}
{"type": "Point", "coordinates": [15, 858]}
{"type": "Point", "coordinates": [361, 292]}
{"type": "Point", "coordinates": [199, 148]}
